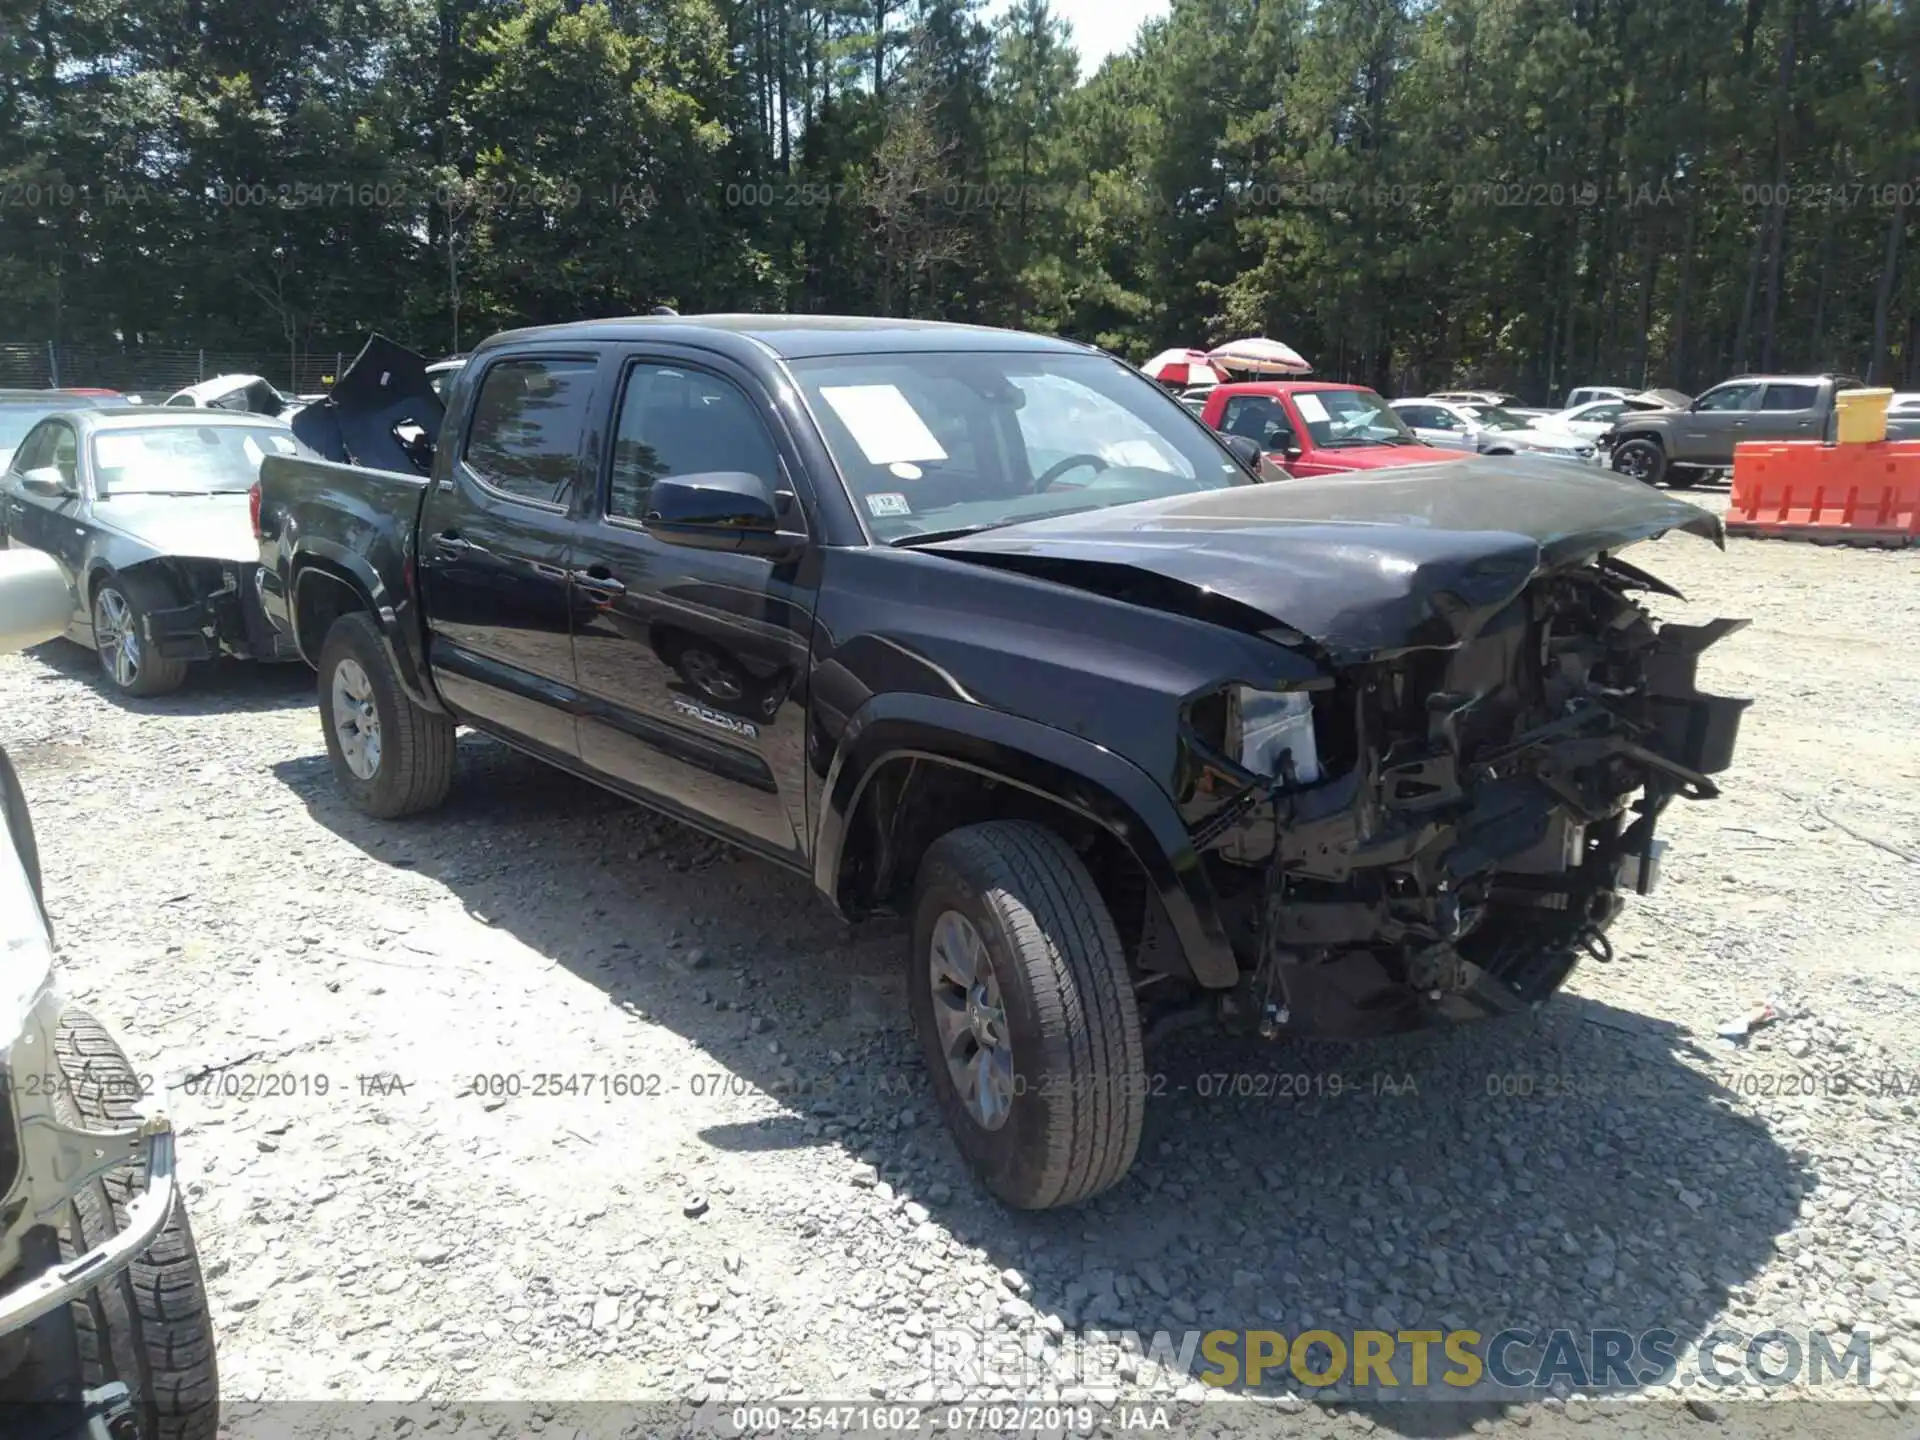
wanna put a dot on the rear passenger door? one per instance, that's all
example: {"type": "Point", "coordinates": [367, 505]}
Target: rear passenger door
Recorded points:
{"type": "Point", "coordinates": [1789, 411]}
{"type": "Point", "coordinates": [692, 663]}
{"type": "Point", "coordinates": [494, 546]}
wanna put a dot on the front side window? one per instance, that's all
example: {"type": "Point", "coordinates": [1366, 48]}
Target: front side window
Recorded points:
{"type": "Point", "coordinates": [1728, 397]}
{"type": "Point", "coordinates": [941, 441]}
{"type": "Point", "coordinates": [1258, 418]}
{"type": "Point", "coordinates": [185, 459]}
{"type": "Point", "coordinates": [31, 448]}
{"type": "Point", "coordinates": [1492, 417]}
{"type": "Point", "coordinates": [528, 417]}
{"type": "Point", "coordinates": [678, 421]}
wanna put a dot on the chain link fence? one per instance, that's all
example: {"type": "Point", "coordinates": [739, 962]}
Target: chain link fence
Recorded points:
{"type": "Point", "coordinates": [155, 372]}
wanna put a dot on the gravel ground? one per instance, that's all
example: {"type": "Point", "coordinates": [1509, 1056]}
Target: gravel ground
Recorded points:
{"type": "Point", "coordinates": [770, 1209]}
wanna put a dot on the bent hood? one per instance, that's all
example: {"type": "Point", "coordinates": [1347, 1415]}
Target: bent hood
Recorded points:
{"type": "Point", "coordinates": [204, 527]}
{"type": "Point", "coordinates": [1362, 565]}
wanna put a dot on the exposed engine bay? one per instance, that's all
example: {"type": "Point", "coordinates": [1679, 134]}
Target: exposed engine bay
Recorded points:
{"type": "Point", "coordinates": [1456, 830]}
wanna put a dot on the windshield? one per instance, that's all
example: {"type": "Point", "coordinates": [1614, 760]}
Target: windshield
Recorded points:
{"type": "Point", "coordinates": [938, 442]}
{"type": "Point", "coordinates": [1494, 418]}
{"type": "Point", "coordinates": [1337, 418]}
{"type": "Point", "coordinates": [185, 459]}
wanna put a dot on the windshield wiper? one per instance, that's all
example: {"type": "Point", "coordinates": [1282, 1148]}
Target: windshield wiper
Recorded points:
{"type": "Point", "coordinates": [933, 537]}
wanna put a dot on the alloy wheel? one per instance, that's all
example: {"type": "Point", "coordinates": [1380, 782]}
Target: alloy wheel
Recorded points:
{"type": "Point", "coordinates": [356, 719]}
{"type": "Point", "coordinates": [116, 637]}
{"type": "Point", "coordinates": [972, 1020]}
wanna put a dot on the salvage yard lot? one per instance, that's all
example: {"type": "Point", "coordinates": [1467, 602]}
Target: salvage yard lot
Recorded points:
{"type": "Point", "coordinates": [544, 1097]}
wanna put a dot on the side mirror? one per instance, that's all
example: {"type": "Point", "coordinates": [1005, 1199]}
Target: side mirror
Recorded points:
{"type": "Point", "coordinates": [49, 481]}
{"type": "Point", "coordinates": [720, 510]}
{"type": "Point", "coordinates": [1246, 451]}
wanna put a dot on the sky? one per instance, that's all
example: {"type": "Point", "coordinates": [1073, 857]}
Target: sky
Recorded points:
{"type": "Point", "coordinates": [1100, 27]}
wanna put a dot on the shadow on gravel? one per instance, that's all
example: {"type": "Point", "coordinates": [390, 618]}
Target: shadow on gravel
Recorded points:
{"type": "Point", "coordinates": [1563, 1171]}
{"type": "Point", "coordinates": [213, 688]}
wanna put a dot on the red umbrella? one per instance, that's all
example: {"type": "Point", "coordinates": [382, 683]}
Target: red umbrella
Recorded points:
{"type": "Point", "coordinates": [1182, 367]}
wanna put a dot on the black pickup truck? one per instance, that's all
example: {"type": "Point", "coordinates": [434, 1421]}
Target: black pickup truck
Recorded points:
{"type": "Point", "coordinates": [985, 629]}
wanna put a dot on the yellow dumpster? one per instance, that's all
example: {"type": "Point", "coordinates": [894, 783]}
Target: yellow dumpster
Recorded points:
{"type": "Point", "coordinates": [1861, 416]}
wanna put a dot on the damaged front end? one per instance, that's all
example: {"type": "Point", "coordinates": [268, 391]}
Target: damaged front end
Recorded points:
{"type": "Point", "coordinates": [225, 617]}
{"type": "Point", "coordinates": [1443, 833]}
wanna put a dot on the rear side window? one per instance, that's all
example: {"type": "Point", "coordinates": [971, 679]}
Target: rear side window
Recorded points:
{"type": "Point", "coordinates": [1789, 397]}
{"type": "Point", "coordinates": [528, 417]}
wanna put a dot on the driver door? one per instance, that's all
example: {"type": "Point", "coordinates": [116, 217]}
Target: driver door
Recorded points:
{"type": "Point", "coordinates": [692, 663]}
{"type": "Point", "coordinates": [1717, 422]}
{"type": "Point", "coordinates": [49, 523]}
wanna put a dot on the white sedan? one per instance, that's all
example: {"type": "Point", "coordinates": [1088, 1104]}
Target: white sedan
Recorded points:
{"type": "Point", "coordinates": [1488, 430]}
{"type": "Point", "coordinates": [1589, 421]}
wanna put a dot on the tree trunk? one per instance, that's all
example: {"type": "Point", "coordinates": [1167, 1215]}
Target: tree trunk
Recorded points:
{"type": "Point", "coordinates": [1883, 292]}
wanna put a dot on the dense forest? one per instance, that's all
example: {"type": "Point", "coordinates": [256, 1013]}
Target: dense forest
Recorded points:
{"type": "Point", "coordinates": [1526, 193]}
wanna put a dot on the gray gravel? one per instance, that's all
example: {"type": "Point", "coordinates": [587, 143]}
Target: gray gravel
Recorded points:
{"type": "Point", "coordinates": [746, 1195]}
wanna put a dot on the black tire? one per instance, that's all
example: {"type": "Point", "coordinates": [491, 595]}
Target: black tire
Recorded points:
{"type": "Point", "coordinates": [140, 595]}
{"type": "Point", "coordinates": [414, 769]}
{"type": "Point", "coordinates": [1643, 459]}
{"type": "Point", "coordinates": [147, 1327]}
{"type": "Point", "coordinates": [1081, 1080]}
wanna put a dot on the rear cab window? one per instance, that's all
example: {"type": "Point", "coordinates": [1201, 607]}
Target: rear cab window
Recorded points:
{"type": "Point", "coordinates": [1789, 397]}
{"type": "Point", "coordinates": [523, 436]}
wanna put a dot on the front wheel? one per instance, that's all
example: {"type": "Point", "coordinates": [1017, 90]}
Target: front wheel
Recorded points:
{"type": "Point", "coordinates": [121, 604]}
{"type": "Point", "coordinates": [1025, 1010]}
{"type": "Point", "coordinates": [391, 756]}
{"type": "Point", "coordinates": [1642, 460]}
{"type": "Point", "coordinates": [148, 1326]}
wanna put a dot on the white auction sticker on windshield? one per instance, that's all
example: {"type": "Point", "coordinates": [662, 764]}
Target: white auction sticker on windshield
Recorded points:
{"type": "Point", "coordinates": [888, 503]}
{"type": "Point", "coordinates": [888, 430]}
{"type": "Point", "coordinates": [1310, 408]}
{"type": "Point", "coordinates": [117, 452]}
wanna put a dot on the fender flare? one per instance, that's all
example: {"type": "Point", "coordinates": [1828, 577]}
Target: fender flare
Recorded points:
{"type": "Point", "coordinates": [1087, 779]}
{"type": "Point", "coordinates": [349, 567]}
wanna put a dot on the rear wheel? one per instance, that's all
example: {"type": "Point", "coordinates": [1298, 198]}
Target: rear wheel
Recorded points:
{"type": "Point", "coordinates": [121, 604]}
{"type": "Point", "coordinates": [1026, 1015]}
{"type": "Point", "coordinates": [147, 1327]}
{"type": "Point", "coordinates": [391, 756]}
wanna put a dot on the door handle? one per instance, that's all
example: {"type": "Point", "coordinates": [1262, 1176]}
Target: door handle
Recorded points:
{"type": "Point", "coordinates": [600, 580]}
{"type": "Point", "coordinates": [449, 542]}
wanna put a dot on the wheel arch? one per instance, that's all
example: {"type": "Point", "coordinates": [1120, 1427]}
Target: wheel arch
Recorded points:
{"type": "Point", "coordinates": [910, 755]}
{"type": "Point", "coordinates": [323, 585]}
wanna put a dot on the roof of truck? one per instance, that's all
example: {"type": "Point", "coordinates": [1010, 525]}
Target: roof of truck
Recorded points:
{"type": "Point", "coordinates": [794, 337]}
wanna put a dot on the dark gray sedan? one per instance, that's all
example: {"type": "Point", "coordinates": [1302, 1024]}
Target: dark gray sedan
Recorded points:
{"type": "Point", "coordinates": [147, 511]}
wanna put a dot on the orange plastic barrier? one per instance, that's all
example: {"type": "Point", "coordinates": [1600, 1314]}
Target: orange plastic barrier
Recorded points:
{"type": "Point", "coordinates": [1865, 494]}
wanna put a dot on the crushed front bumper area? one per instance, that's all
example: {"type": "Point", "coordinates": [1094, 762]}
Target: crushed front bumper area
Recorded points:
{"type": "Point", "coordinates": [228, 619]}
{"type": "Point", "coordinates": [1489, 807]}
{"type": "Point", "coordinates": [93, 1153]}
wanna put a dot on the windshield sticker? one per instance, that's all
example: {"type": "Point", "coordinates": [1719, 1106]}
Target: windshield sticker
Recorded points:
{"type": "Point", "coordinates": [1134, 454]}
{"type": "Point", "coordinates": [1310, 408]}
{"type": "Point", "coordinates": [903, 471]}
{"type": "Point", "coordinates": [884, 423]}
{"type": "Point", "coordinates": [888, 503]}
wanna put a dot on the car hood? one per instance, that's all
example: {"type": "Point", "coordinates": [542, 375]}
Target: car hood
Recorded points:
{"type": "Point", "coordinates": [207, 527]}
{"type": "Point", "coordinates": [1381, 457]}
{"type": "Point", "coordinates": [1357, 566]}
{"type": "Point", "coordinates": [1545, 435]}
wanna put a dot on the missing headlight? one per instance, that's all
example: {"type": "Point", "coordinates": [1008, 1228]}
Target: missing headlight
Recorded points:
{"type": "Point", "coordinates": [1270, 732]}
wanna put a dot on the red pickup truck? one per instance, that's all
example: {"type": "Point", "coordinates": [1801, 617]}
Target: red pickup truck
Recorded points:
{"type": "Point", "coordinates": [1313, 427]}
